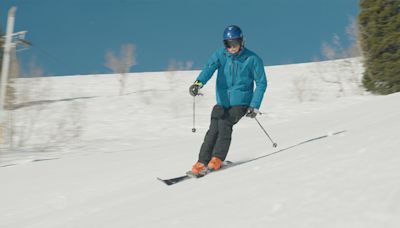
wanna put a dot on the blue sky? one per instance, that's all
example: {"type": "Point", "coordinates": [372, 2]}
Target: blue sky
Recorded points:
{"type": "Point", "coordinates": [73, 36]}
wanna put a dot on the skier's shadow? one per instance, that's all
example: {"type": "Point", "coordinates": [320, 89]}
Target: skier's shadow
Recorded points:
{"type": "Point", "coordinates": [288, 148]}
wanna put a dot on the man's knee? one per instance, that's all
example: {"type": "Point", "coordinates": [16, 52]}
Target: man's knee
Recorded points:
{"type": "Point", "coordinates": [236, 113]}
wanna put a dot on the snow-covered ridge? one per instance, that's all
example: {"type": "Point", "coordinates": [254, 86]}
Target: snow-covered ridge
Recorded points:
{"type": "Point", "coordinates": [67, 114]}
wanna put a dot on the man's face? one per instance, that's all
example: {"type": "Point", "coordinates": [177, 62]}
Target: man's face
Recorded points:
{"type": "Point", "coordinates": [233, 46]}
{"type": "Point", "coordinates": [233, 50]}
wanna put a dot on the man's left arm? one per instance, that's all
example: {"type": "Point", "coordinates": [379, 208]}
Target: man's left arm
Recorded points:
{"type": "Point", "coordinates": [261, 83]}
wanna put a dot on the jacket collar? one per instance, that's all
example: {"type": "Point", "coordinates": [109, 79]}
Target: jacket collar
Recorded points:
{"type": "Point", "coordinates": [237, 55]}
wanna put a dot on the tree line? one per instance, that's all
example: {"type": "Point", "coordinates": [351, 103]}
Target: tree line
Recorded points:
{"type": "Point", "coordinates": [379, 23]}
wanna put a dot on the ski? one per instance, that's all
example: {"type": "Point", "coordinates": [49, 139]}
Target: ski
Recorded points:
{"type": "Point", "coordinates": [190, 175]}
{"type": "Point", "coordinates": [228, 164]}
{"type": "Point", "coordinates": [174, 180]}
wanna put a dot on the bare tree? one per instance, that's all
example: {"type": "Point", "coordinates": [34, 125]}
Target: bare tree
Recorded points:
{"type": "Point", "coordinates": [300, 84]}
{"type": "Point", "coordinates": [353, 32]}
{"type": "Point", "coordinates": [330, 53]}
{"type": "Point", "coordinates": [173, 67]}
{"type": "Point", "coordinates": [35, 126]}
{"type": "Point", "coordinates": [344, 74]}
{"type": "Point", "coordinates": [31, 125]}
{"type": "Point", "coordinates": [33, 69]}
{"type": "Point", "coordinates": [122, 63]}
{"type": "Point", "coordinates": [172, 77]}
{"type": "Point", "coordinates": [337, 51]}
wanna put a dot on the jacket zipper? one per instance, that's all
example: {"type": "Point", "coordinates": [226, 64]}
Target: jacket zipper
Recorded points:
{"type": "Point", "coordinates": [233, 70]}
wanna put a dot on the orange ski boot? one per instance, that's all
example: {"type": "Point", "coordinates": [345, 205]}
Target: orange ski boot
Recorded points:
{"type": "Point", "coordinates": [214, 164]}
{"type": "Point", "coordinates": [199, 168]}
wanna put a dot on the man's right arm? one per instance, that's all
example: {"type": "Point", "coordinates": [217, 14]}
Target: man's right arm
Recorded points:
{"type": "Point", "coordinates": [208, 70]}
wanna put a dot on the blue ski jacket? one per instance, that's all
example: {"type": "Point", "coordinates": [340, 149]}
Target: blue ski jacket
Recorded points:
{"type": "Point", "coordinates": [236, 76]}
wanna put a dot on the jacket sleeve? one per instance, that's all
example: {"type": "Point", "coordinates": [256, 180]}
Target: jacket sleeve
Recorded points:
{"type": "Point", "coordinates": [208, 70]}
{"type": "Point", "coordinates": [261, 83]}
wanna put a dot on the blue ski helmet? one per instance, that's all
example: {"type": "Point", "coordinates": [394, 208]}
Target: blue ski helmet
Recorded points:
{"type": "Point", "coordinates": [232, 32]}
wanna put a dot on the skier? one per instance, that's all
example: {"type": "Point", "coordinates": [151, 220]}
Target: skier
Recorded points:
{"type": "Point", "coordinates": [238, 69]}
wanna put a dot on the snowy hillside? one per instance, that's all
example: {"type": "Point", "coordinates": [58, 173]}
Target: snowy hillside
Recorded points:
{"type": "Point", "coordinates": [84, 156]}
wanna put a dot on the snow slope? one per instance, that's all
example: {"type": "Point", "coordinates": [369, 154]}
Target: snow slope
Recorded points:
{"type": "Point", "coordinates": [106, 176]}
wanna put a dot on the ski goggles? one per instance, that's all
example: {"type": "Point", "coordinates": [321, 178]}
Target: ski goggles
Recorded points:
{"type": "Point", "coordinates": [233, 43]}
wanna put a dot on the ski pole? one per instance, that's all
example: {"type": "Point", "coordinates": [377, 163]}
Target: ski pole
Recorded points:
{"type": "Point", "coordinates": [194, 114]}
{"type": "Point", "coordinates": [274, 144]}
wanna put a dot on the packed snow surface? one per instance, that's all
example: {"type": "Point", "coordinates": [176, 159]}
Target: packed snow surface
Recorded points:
{"type": "Point", "coordinates": [86, 156]}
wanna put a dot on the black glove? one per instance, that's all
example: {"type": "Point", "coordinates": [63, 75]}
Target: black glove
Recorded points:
{"type": "Point", "coordinates": [194, 89]}
{"type": "Point", "coordinates": [251, 112]}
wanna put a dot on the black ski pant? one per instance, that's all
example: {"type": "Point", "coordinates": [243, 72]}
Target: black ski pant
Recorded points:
{"type": "Point", "coordinates": [218, 138]}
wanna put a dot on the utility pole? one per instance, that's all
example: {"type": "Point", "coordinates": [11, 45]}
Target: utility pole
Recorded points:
{"type": "Point", "coordinates": [6, 58]}
{"type": "Point", "coordinates": [8, 45]}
